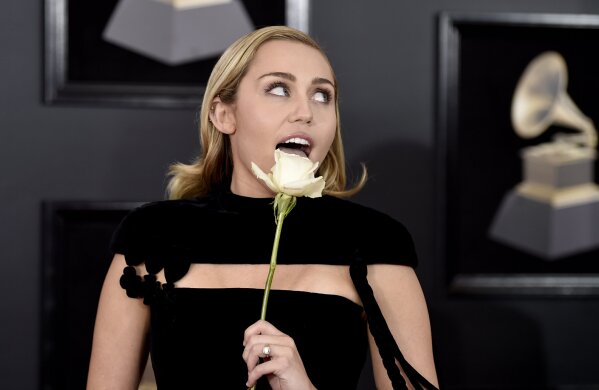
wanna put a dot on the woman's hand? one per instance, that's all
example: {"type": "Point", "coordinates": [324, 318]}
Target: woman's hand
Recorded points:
{"type": "Point", "coordinates": [282, 366]}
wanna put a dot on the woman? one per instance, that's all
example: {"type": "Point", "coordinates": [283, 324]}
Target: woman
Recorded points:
{"type": "Point", "coordinates": [203, 255]}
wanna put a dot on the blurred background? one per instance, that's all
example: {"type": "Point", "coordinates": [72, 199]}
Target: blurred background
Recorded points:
{"type": "Point", "coordinates": [385, 54]}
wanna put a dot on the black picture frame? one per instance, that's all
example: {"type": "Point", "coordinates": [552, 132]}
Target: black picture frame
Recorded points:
{"type": "Point", "coordinates": [80, 68]}
{"type": "Point", "coordinates": [75, 259]}
{"type": "Point", "coordinates": [481, 56]}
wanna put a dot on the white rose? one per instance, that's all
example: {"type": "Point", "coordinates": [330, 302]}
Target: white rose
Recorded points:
{"type": "Point", "coordinates": [292, 175]}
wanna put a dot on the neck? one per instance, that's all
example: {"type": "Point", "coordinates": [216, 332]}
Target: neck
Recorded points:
{"type": "Point", "coordinates": [250, 187]}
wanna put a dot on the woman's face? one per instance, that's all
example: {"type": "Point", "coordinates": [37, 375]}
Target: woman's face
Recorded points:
{"type": "Point", "coordinates": [286, 100]}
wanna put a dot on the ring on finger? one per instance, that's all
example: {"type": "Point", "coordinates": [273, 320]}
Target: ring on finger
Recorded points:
{"type": "Point", "coordinates": [266, 350]}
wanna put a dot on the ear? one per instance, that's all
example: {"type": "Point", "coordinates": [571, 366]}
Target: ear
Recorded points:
{"type": "Point", "coordinates": [222, 116]}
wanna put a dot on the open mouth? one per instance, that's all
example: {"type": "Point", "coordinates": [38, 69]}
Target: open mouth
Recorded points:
{"type": "Point", "coordinates": [296, 145]}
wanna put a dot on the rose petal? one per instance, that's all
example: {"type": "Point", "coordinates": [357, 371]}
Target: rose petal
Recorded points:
{"type": "Point", "coordinates": [291, 167]}
{"type": "Point", "coordinates": [265, 178]}
{"type": "Point", "coordinates": [311, 188]}
{"type": "Point", "coordinates": [292, 175]}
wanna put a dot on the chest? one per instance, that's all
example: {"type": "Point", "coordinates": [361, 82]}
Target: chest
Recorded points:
{"type": "Point", "coordinates": [316, 278]}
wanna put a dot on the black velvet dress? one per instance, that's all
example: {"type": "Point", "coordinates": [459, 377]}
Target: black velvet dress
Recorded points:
{"type": "Point", "coordinates": [196, 334]}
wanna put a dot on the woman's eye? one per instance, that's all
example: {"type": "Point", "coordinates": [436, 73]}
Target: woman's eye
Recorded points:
{"type": "Point", "coordinates": [322, 97]}
{"type": "Point", "coordinates": [278, 90]}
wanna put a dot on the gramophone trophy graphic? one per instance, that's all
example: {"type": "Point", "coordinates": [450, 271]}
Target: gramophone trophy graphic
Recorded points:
{"type": "Point", "coordinates": [554, 211]}
{"type": "Point", "coordinates": [177, 32]}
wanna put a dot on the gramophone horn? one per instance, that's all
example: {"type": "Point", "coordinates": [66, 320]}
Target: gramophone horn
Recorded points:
{"type": "Point", "coordinates": [541, 100]}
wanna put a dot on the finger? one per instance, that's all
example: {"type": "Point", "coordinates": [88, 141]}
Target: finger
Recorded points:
{"type": "Point", "coordinates": [252, 354]}
{"type": "Point", "coordinates": [260, 370]}
{"type": "Point", "coordinates": [260, 327]}
{"type": "Point", "coordinates": [267, 352]}
{"type": "Point", "coordinates": [259, 341]}
{"type": "Point", "coordinates": [277, 366]}
{"type": "Point", "coordinates": [255, 347]}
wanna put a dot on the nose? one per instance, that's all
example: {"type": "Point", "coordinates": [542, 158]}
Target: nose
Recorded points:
{"type": "Point", "coordinates": [302, 111]}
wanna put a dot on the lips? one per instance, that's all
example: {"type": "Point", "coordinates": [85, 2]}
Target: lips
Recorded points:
{"type": "Point", "coordinates": [296, 145]}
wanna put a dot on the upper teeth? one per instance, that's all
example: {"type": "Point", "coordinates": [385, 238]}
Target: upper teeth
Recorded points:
{"type": "Point", "coordinates": [300, 141]}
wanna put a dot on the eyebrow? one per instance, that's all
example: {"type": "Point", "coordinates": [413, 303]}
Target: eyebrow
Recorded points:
{"type": "Point", "coordinates": [290, 77]}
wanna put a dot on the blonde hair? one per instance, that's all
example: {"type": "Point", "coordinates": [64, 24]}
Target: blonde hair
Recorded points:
{"type": "Point", "coordinates": [214, 166]}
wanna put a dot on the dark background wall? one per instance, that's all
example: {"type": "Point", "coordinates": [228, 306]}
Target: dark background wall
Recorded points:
{"type": "Point", "coordinates": [385, 56]}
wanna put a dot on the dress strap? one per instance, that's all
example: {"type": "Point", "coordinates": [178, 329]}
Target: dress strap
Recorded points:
{"type": "Point", "coordinates": [388, 348]}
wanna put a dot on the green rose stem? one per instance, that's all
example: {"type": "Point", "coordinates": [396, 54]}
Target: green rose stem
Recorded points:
{"type": "Point", "coordinates": [283, 204]}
